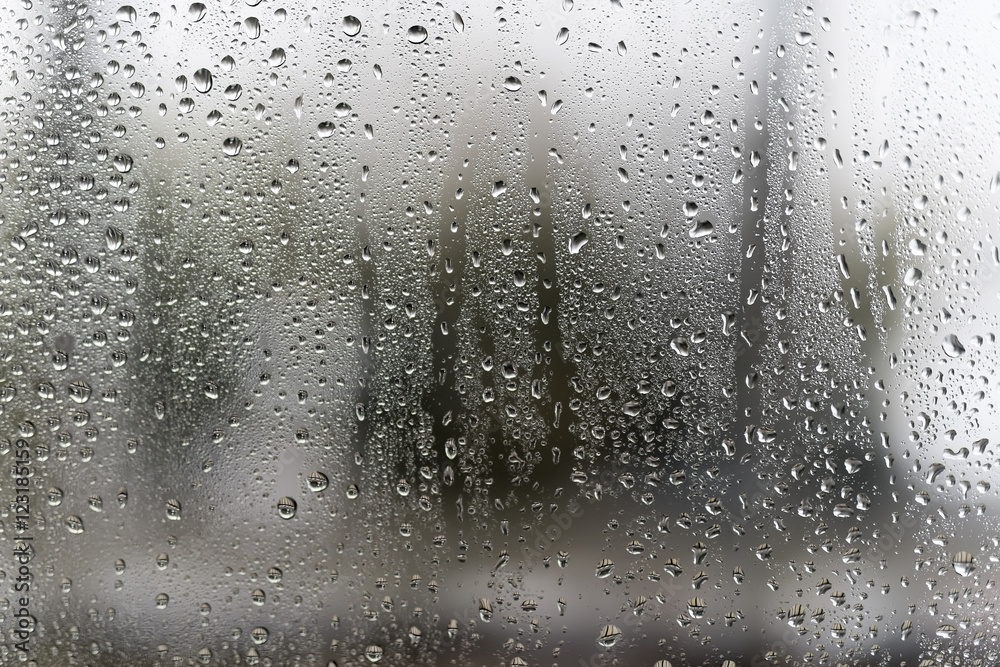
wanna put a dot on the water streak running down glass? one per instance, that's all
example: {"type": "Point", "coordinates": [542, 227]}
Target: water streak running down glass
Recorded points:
{"type": "Point", "coordinates": [559, 333]}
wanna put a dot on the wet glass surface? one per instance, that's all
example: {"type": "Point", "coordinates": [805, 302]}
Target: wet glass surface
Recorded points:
{"type": "Point", "coordinates": [559, 333]}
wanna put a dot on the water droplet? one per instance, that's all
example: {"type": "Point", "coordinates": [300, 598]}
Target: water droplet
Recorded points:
{"type": "Point", "coordinates": [953, 346]}
{"type": "Point", "coordinates": [577, 241]}
{"type": "Point", "coordinates": [277, 57]}
{"type": "Point", "coordinates": [512, 83]}
{"type": "Point", "coordinates": [318, 482]}
{"type": "Point", "coordinates": [196, 11]}
{"type": "Point", "coordinates": [114, 238]}
{"type": "Point", "coordinates": [126, 14]}
{"type": "Point", "coordinates": [286, 507]}
{"type": "Point", "coordinates": [609, 636]}
{"type": "Point", "coordinates": [174, 510]}
{"type": "Point", "coordinates": [351, 25]}
{"type": "Point", "coordinates": [964, 563]}
{"type": "Point", "coordinates": [251, 27]}
{"type": "Point", "coordinates": [60, 360]}
{"type": "Point", "coordinates": [417, 34]}
{"type": "Point", "coordinates": [458, 23]}
{"type": "Point", "coordinates": [485, 610]}
{"type": "Point", "coordinates": [562, 36]}
{"type": "Point", "coordinates": [232, 146]}
{"type": "Point", "coordinates": [202, 80]}
{"type": "Point", "coordinates": [54, 496]}
{"type": "Point", "coordinates": [701, 229]}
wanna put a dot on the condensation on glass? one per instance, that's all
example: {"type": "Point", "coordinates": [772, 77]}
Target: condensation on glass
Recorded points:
{"type": "Point", "coordinates": [572, 332]}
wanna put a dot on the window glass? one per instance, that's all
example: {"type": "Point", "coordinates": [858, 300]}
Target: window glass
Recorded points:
{"type": "Point", "coordinates": [571, 332]}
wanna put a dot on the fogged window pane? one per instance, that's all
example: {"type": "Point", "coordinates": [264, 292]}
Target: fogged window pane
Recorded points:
{"type": "Point", "coordinates": [577, 332]}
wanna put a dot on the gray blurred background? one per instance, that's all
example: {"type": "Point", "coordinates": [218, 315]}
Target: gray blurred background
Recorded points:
{"type": "Point", "coordinates": [571, 332]}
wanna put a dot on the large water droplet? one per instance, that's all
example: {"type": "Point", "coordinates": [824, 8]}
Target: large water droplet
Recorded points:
{"type": "Point", "coordinates": [964, 563]}
{"type": "Point", "coordinates": [196, 11]}
{"type": "Point", "coordinates": [609, 636]}
{"type": "Point", "coordinates": [577, 241]}
{"type": "Point", "coordinates": [953, 346]}
{"type": "Point", "coordinates": [417, 34]}
{"type": "Point", "coordinates": [700, 229]}
{"type": "Point", "coordinates": [232, 146]}
{"type": "Point", "coordinates": [351, 25]}
{"type": "Point", "coordinates": [286, 507]}
{"type": "Point", "coordinates": [202, 80]}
